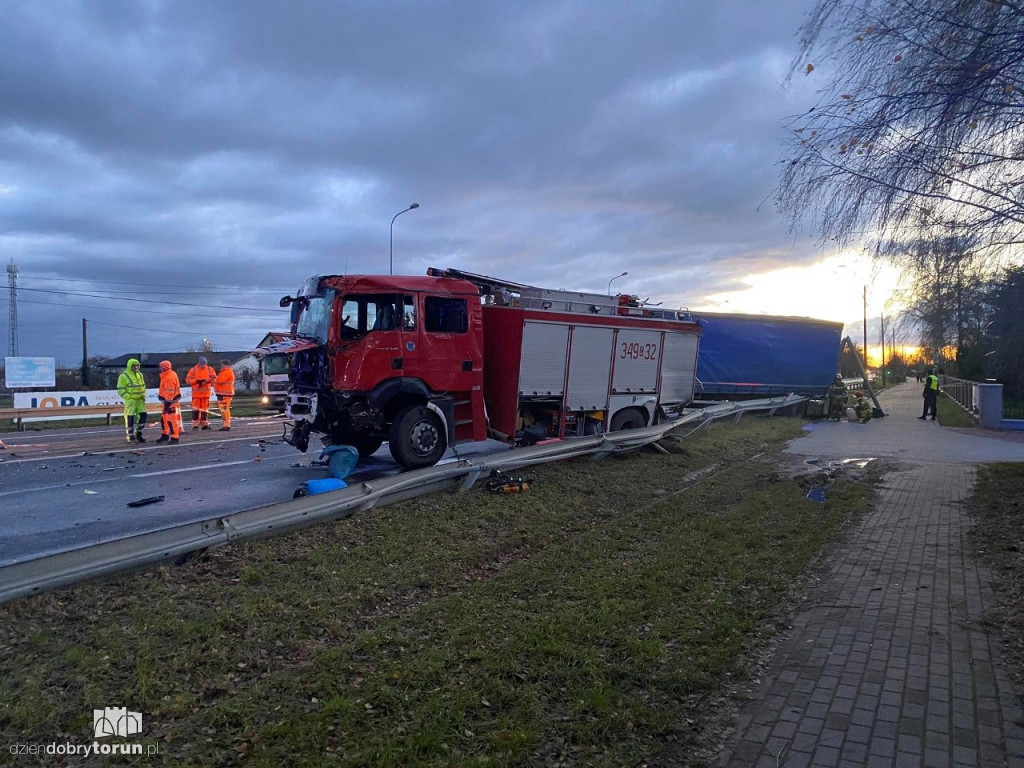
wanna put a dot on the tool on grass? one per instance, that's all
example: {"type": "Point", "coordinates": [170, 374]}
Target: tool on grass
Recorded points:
{"type": "Point", "coordinates": [500, 482]}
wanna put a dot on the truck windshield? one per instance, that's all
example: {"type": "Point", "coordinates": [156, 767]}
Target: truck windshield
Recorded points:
{"type": "Point", "coordinates": [316, 316]}
{"type": "Point", "coordinates": [274, 365]}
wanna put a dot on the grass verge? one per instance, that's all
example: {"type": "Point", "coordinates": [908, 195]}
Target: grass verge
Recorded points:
{"type": "Point", "coordinates": [587, 622]}
{"type": "Point", "coordinates": [997, 504]}
{"type": "Point", "coordinates": [950, 414]}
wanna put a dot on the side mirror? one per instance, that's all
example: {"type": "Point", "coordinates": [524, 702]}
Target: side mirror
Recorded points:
{"type": "Point", "coordinates": [285, 301]}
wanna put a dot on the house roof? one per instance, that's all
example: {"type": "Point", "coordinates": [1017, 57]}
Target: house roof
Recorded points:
{"type": "Point", "coordinates": [273, 337]}
{"type": "Point", "coordinates": [180, 360]}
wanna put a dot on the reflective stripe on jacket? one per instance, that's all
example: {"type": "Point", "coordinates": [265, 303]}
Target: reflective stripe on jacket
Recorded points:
{"type": "Point", "coordinates": [131, 386]}
{"type": "Point", "coordinates": [224, 384]}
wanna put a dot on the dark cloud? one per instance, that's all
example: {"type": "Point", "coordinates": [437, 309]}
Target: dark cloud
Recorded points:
{"type": "Point", "coordinates": [234, 148]}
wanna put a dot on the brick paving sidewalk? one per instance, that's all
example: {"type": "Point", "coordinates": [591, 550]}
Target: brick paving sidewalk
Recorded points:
{"type": "Point", "coordinates": [888, 662]}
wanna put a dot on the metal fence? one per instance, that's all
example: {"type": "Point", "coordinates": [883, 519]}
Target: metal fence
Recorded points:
{"type": "Point", "coordinates": [960, 391]}
{"type": "Point", "coordinates": [1013, 404]}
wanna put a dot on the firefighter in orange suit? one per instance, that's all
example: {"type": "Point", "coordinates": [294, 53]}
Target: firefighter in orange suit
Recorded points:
{"type": "Point", "coordinates": [224, 388]}
{"type": "Point", "coordinates": [170, 395]}
{"type": "Point", "coordinates": [200, 377]}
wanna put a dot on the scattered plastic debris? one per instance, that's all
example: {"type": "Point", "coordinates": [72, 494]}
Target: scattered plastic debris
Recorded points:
{"type": "Point", "coordinates": [833, 464]}
{"type": "Point", "coordinates": [91, 493]}
{"type": "Point", "coordinates": [816, 494]}
{"type": "Point", "coordinates": [341, 460]}
{"type": "Point", "coordinates": [313, 487]}
{"type": "Point", "coordinates": [500, 482]}
{"type": "Point", "coordinates": [145, 501]}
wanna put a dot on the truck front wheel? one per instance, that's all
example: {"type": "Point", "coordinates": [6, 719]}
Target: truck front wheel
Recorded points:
{"type": "Point", "coordinates": [627, 418]}
{"type": "Point", "coordinates": [417, 438]}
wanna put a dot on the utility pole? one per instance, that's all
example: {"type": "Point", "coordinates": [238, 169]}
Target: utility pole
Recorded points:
{"type": "Point", "coordinates": [892, 349]}
{"type": "Point", "coordinates": [865, 323]}
{"type": "Point", "coordinates": [12, 285]}
{"type": "Point", "coordinates": [881, 319]}
{"type": "Point", "coordinates": [85, 354]}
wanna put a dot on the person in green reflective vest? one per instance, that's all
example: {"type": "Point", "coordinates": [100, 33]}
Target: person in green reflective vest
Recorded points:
{"type": "Point", "coordinates": [930, 395]}
{"type": "Point", "coordinates": [131, 388]}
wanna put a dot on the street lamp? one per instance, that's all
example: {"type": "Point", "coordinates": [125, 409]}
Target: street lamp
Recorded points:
{"type": "Point", "coordinates": [613, 280]}
{"type": "Point", "coordinates": [391, 249]}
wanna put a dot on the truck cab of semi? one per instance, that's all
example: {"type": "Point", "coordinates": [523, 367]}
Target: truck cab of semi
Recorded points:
{"type": "Point", "coordinates": [377, 358]}
{"type": "Point", "coordinates": [274, 382]}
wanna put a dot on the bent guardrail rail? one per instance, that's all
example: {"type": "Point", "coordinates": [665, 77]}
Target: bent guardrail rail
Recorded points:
{"type": "Point", "coordinates": [95, 561]}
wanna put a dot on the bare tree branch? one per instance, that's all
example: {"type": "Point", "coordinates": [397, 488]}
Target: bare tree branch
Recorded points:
{"type": "Point", "coordinates": [926, 116]}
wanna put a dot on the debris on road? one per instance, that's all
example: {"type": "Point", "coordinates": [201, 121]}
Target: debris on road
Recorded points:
{"type": "Point", "coordinates": [145, 501]}
{"type": "Point", "coordinates": [816, 494]}
{"type": "Point", "coordinates": [91, 493]}
{"type": "Point", "coordinates": [313, 487]}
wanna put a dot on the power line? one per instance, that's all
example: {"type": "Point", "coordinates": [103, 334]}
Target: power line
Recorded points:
{"type": "Point", "coordinates": [154, 330]}
{"type": "Point", "coordinates": [191, 291]}
{"type": "Point", "coordinates": [146, 301]}
{"type": "Point", "coordinates": [132, 309]}
{"type": "Point", "coordinates": [158, 285]}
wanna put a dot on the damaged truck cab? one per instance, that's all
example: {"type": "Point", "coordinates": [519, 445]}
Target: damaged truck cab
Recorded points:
{"type": "Point", "coordinates": [378, 358]}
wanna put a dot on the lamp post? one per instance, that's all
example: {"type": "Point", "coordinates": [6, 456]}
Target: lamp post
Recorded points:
{"type": "Point", "coordinates": [613, 280]}
{"type": "Point", "coordinates": [391, 248]}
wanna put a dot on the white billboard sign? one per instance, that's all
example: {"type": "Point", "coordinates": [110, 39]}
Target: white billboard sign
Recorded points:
{"type": "Point", "coordinates": [45, 400]}
{"type": "Point", "coordinates": [23, 372]}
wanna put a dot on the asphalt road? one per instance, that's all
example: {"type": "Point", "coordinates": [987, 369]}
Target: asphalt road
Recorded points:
{"type": "Point", "coordinates": [69, 488]}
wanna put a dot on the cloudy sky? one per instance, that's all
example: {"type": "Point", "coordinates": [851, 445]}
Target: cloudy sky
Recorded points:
{"type": "Point", "coordinates": [169, 169]}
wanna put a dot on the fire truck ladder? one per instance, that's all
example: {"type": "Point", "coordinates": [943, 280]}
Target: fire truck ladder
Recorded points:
{"type": "Point", "coordinates": [500, 292]}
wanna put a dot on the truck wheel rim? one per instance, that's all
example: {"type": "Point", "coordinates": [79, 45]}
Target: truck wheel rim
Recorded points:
{"type": "Point", "coordinates": [424, 437]}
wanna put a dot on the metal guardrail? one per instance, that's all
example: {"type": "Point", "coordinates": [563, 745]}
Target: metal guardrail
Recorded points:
{"type": "Point", "coordinates": [70, 411]}
{"type": "Point", "coordinates": [67, 568]}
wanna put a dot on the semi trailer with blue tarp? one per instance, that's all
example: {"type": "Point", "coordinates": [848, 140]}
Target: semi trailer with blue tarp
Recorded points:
{"type": "Point", "coordinates": [744, 356]}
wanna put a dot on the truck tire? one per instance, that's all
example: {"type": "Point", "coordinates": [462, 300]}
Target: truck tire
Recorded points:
{"type": "Point", "coordinates": [417, 438]}
{"type": "Point", "coordinates": [627, 418]}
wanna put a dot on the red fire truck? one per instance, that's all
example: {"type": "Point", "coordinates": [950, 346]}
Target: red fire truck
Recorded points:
{"type": "Point", "coordinates": [428, 362]}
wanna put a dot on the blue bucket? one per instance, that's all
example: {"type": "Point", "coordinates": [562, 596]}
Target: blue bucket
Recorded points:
{"type": "Point", "coordinates": [341, 460]}
{"type": "Point", "coordinates": [313, 487]}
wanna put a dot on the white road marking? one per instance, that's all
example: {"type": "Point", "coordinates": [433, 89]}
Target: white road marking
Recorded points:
{"type": "Point", "coordinates": [148, 445]}
{"type": "Point", "coordinates": [137, 475]}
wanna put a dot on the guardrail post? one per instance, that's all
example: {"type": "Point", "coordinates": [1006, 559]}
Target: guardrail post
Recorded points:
{"type": "Point", "coordinates": [990, 405]}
